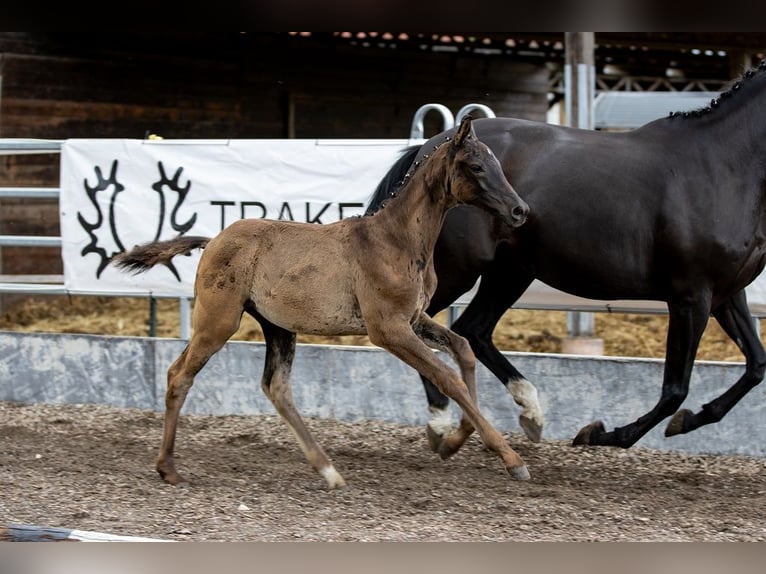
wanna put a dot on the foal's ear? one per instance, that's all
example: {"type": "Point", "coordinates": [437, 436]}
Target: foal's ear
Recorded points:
{"type": "Point", "coordinates": [464, 131]}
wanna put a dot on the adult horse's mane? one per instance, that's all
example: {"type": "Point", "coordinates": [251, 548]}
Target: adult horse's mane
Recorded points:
{"type": "Point", "coordinates": [734, 87]}
{"type": "Point", "coordinates": [393, 182]}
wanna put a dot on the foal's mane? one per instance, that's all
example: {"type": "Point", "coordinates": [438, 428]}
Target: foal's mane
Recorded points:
{"type": "Point", "coordinates": [734, 87]}
{"type": "Point", "coordinates": [378, 202]}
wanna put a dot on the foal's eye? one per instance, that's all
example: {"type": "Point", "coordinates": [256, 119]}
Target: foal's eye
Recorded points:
{"type": "Point", "coordinates": [476, 168]}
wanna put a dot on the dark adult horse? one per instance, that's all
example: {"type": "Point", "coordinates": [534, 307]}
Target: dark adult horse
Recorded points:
{"type": "Point", "coordinates": [673, 211]}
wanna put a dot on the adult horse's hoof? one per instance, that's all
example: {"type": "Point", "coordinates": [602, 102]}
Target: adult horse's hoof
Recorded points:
{"type": "Point", "coordinates": [531, 428]}
{"type": "Point", "coordinates": [588, 434]}
{"type": "Point", "coordinates": [519, 472]}
{"type": "Point", "coordinates": [677, 424]}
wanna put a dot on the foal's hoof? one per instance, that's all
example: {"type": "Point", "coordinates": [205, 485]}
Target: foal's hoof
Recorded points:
{"type": "Point", "coordinates": [519, 472]}
{"type": "Point", "coordinates": [677, 424]}
{"type": "Point", "coordinates": [447, 448]}
{"type": "Point", "coordinates": [434, 439]}
{"type": "Point", "coordinates": [444, 446]}
{"type": "Point", "coordinates": [531, 428]}
{"type": "Point", "coordinates": [588, 434]}
{"type": "Point", "coordinates": [171, 476]}
{"type": "Point", "coordinates": [332, 477]}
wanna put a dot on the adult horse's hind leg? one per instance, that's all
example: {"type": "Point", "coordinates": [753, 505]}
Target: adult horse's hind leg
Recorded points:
{"type": "Point", "coordinates": [280, 352]}
{"type": "Point", "coordinates": [214, 322]}
{"type": "Point", "coordinates": [734, 317]}
{"type": "Point", "coordinates": [685, 327]}
{"type": "Point", "coordinates": [400, 340]}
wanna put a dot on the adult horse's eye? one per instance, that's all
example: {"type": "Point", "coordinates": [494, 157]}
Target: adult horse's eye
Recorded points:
{"type": "Point", "coordinates": [476, 168]}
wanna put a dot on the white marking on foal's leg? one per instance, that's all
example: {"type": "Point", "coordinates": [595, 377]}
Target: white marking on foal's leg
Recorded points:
{"type": "Point", "coordinates": [441, 421]}
{"type": "Point", "coordinates": [438, 427]}
{"type": "Point", "coordinates": [531, 417]}
{"type": "Point", "coordinates": [333, 478]}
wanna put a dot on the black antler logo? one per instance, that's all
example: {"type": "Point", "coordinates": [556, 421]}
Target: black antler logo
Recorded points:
{"type": "Point", "coordinates": [105, 192]}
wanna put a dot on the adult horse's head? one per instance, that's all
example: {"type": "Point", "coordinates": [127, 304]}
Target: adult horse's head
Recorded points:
{"type": "Point", "coordinates": [477, 178]}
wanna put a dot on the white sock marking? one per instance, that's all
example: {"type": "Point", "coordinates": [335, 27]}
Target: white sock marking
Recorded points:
{"type": "Point", "coordinates": [441, 421]}
{"type": "Point", "coordinates": [525, 395]}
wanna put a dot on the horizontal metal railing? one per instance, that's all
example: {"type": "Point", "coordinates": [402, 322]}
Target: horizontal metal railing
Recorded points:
{"type": "Point", "coordinates": [30, 192]}
{"type": "Point", "coordinates": [29, 241]}
{"type": "Point", "coordinates": [54, 284]}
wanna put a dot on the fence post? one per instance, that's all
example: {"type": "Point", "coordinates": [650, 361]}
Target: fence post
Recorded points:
{"type": "Point", "coordinates": [185, 313]}
{"type": "Point", "coordinates": [579, 87]}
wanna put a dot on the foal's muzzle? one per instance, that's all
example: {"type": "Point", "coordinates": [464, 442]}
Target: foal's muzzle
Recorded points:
{"type": "Point", "coordinates": [519, 214]}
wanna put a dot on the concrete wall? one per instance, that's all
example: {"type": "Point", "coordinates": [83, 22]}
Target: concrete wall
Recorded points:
{"type": "Point", "coordinates": [354, 383]}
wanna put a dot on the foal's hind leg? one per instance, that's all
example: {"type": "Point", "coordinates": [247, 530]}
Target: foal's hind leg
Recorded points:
{"type": "Point", "coordinates": [734, 317]}
{"type": "Point", "coordinates": [214, 323]}
{"type": "Point", "coordinates": [280, 352]}
{"type": "Point", "coordinates": [438, 337]}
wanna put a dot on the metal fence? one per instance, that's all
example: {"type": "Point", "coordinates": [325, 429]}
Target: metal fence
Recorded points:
{"type": "Point", "coordinates": [41, 284]}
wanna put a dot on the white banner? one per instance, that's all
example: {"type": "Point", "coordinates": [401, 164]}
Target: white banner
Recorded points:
{"type": "Point", "coordinates": [118, 193]}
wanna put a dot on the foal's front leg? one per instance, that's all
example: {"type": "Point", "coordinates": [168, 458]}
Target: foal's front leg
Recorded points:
{"type": "Point", "coordinates": [438, 337]}
{"type": "Point", "coordinates": [400, 340]}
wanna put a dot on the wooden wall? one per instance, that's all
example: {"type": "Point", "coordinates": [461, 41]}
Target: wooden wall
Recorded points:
{"type": "Point", "coordinates": [222, 85]}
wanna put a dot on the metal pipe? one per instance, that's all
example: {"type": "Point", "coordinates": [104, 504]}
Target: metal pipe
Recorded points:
{"type": "Point", "coordinates": [185, 310]}
{"type": "Point", "coordinates": [29, 241]}
{"type": "Point", "coordinates": [417, 131]}
{"type": "Point", "coordinates": [31, 192]}
{"type": "Point", "coordinates": [12, 146]}
{"type": "Point", "coordinates": [152, 317]}
{"type": "Point", "coordinates": [468, 108]}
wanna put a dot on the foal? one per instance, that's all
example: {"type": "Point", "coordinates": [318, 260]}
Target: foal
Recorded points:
{"type": "Point", "coordinates": [372, 275]}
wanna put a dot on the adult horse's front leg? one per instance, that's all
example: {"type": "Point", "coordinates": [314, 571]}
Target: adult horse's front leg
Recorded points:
{"type": "Point", "coordinates": [685, 327]}
{"type": "Point", "coordinates": [734, 317]}
{"type": "Point", "coordinates": [400, 340]}
{"type": "Point", "coordinates": [496, 294]}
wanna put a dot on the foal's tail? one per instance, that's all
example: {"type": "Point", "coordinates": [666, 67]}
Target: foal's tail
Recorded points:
{"type": "Point", "coordinates": [143, 257]}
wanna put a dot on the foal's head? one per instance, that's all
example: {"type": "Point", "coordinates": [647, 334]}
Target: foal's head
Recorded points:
{"type": "Point", "coordinates": [475, 177]}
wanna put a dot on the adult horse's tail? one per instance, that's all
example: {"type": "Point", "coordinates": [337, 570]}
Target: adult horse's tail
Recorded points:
{"type": "Point", "coordinates": [143, 257]}
{"type": "Point", "coordinates": [392, 180]}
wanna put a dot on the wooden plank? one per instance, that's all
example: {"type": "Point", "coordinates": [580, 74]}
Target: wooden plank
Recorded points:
{"type": "Point", "coordinates": [27, 533]}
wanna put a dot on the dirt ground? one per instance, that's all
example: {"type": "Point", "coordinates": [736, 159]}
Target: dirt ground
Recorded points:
{"type": "Point", "coordinates": [90, 467]}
